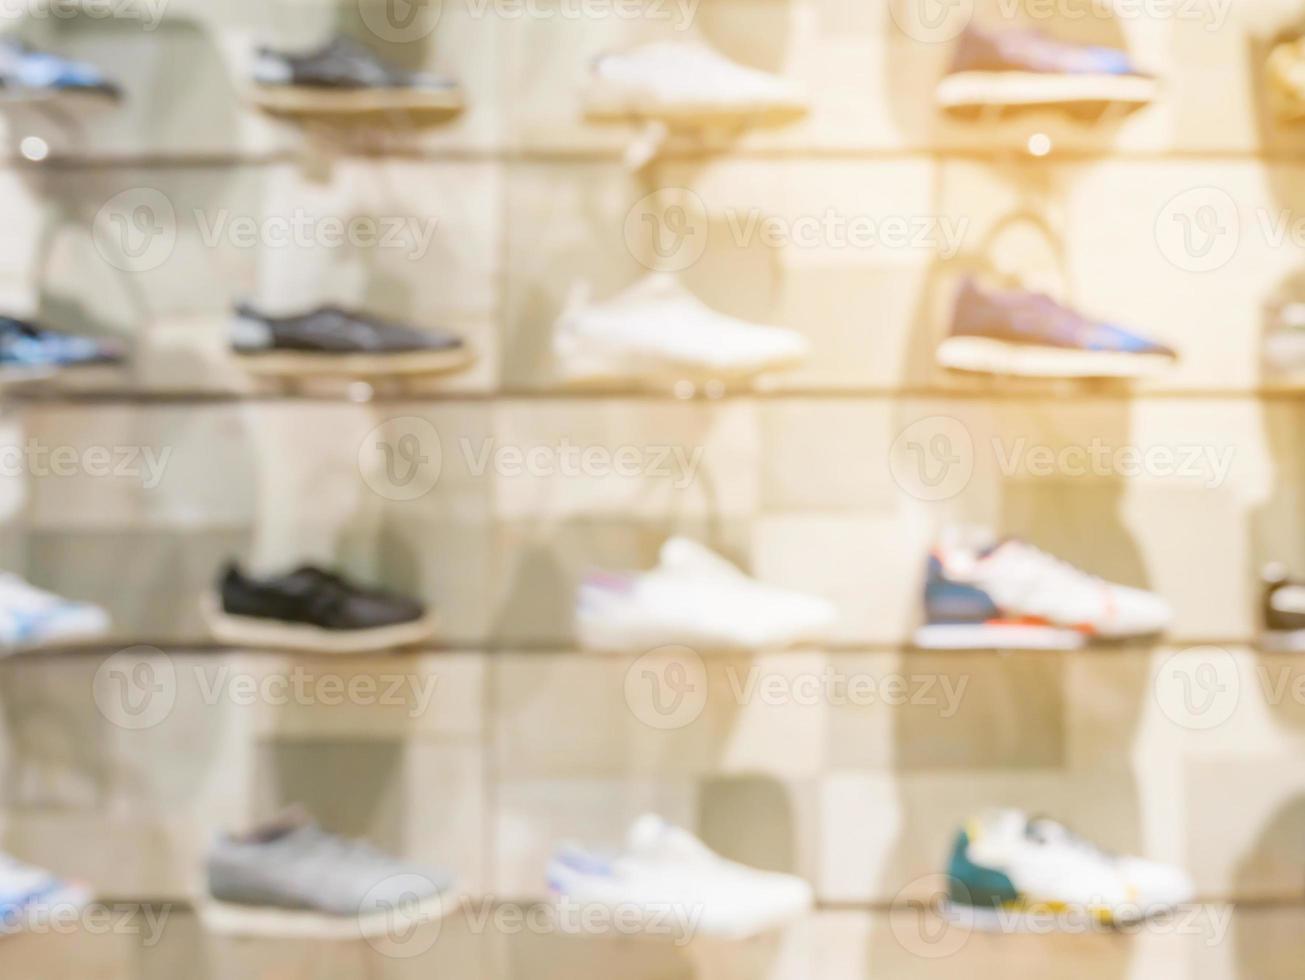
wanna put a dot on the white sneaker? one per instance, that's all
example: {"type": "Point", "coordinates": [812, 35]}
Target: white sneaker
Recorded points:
{"type": "Point", "coordinates": [669, 882]}
{"type": "Point", "coordinates": [1006, 869]}
{"type": "Point", "coordinates": [658, 330]}
{"type": "Point", "coordinates": [686, 81]}
{"type": "Point", "coordinates": [983, 595]}
{"type": "Point", "coordinates": [697, 599]}
{"type": "Point", "coordinates": [31, 897]}
{"type": "Point", "coordinates": [31, 617]}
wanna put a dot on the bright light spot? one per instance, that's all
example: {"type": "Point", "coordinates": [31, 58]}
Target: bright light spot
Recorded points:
{"type": "Point", "coordinates": [34, 148]}
{"type": "Point", "coordinates": [1039, 144]}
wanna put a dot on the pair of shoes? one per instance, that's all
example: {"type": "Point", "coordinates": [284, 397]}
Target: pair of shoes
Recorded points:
{"type": "Point", "coordinates": [979, 594]}
{"type": "Point", "coordinates": [657, 331]}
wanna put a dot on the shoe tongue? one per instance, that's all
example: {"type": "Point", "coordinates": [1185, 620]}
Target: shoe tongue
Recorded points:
{"type": "Point", "coordinates": [659, 287]}
{"type": "Point", "coordinates": [652, 836]}
{"type": "Point", "coordinates": [685, 555]}
{"type": "Point", "coordinates": [293, 818]}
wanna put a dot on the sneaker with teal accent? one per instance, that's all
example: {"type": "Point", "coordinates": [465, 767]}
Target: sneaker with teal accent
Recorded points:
{"type": "Point", "coordinates": [1009, 871]}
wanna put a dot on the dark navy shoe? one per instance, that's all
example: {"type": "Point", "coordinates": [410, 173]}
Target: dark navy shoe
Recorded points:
{"type": "Point", "coordinates": [27, 347]}
{"type": "Point", "coordinates": [1030, 334]}
{"type": "Point", "coordinates": [345, 77]}
{"type": "Point", "coordinates": [27, 71]}
{"type": "Point", "coordinates": [337, 342]}
{"type": "Point", "coordinates": [1026, 67]}
{"type": "Point", "coordinates": [1283, 607]}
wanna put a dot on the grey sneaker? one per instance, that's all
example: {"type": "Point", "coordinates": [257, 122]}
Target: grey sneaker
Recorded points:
{"type": "Point", "coordinates": [344, 77]}
{"type": "Point", "coordinates": [292, 865]}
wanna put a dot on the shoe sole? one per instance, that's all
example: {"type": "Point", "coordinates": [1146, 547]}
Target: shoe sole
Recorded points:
{"type": "Point", "coordinates": [303, 364]}
{"type": "Point", "coordinates": [308, 101]}
{"type": "Point", "coordinates": [975, 89]}
{"type": "Point", "coordinates": [608, 107]}
{"type": "Point", "coordinates": [596, 366]}
{"type": "Point", "coordinates": [981, 355]}
{"type": "Point", "coordinates": [269, 922]}
{"type": "Point", "coordinates": [1031, 919]}
{"type": "Point", "coordinates": [253, 632]}
{"type": "Point", "coordinates": [982, 636]}
{"type": "Point", "coordinates": [1283, 641]}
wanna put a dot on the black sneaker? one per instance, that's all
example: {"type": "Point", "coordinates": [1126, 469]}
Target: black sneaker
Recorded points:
{"type": "Point", "coordinates": [313, 610]}
{"type": "Point", "coordinates": [346, 77]}
{"type": "Point", "coordinates": [334, 341]}
{"type": "Point", "coordinates": [1284, 611]}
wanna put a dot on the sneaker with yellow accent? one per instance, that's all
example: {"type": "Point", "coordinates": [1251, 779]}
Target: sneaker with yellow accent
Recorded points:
{"type": "Point", "coordinates": [1010, 872]}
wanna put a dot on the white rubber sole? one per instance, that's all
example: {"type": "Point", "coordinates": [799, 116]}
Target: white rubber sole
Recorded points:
{"type": "Point", "coordinates": [985, 636]}
{"type": "Point", "coordinates": [1018, 921]}
{"type": "Point", "coordinates": [255, 633]}
{"type": "Point", "coordinates": [1283, 641]}
{"type": "Point", "coordinates": [308, 101]}
{"type": "Point", "coordinates": [583, 363]}
{"type": "Point", "coordinates": [225, 919]}
{"type": "Point", "coordinates": [982, 355]}
{"type": "Point", "coordinates": [1014, 88]}
{"type": "Point", "coordinates": [302, 364]}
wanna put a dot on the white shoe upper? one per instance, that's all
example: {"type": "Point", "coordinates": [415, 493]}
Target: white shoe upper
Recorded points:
{"type": "Point", "coordinates": [667, 876]}
{"type": "Point", "coordinates": [689, 73]}
{"type": "Point", "coordinates": [1048, 864]}
{"type": "Point", "coordinates": [695, 598]}
{"type": "Point", "coordinates": [657, 326]}
{"type": "Point", "coordinates": [1023, 581]}
{"type": "Point", "coordinates": [30, 616]}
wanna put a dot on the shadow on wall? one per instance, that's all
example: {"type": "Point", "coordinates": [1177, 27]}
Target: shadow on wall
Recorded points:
{"type": "Point", "coordinates": [1267, 938]}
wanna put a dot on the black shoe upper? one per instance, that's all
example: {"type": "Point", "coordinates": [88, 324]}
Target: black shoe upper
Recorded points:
{"type": "Point", "coordinates": [315, 597]}
{"type": "Point", "coordinates": [331, 329]}
{"type": "Point", "coordinates": [342, 63]}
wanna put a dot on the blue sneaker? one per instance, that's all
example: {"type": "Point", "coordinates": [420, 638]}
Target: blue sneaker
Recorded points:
{"type": "Point", "coordinates": [25, 70]}
{"type": "Point", "coordinates": [1031, 335]}
{"type": "Point", "coordinates": [25, 347]}
{"type": "Point", "coordinates": [1018, 67]}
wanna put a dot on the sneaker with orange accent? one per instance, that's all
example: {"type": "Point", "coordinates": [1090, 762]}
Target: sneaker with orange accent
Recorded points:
{"type": "Point", "coordinates": [982, 594]}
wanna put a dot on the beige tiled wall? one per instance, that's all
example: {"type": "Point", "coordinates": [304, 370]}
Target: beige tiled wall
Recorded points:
{"type": "Point", "coordinates": [805, 482]}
